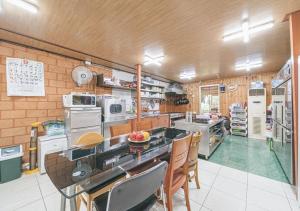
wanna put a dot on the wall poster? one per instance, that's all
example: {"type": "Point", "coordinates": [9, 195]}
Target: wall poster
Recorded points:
{"type": "Point", "coordinates": [24, 77]}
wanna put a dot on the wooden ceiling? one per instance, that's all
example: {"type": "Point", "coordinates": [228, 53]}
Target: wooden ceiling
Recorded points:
{"type": "Point", "coordinates": [119, 33]}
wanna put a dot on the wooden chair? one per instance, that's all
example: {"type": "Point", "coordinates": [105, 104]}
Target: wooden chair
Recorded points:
{"type": "Point", "coordinates": [121, 129]}
{"type": "Point", "coordinates": [145, 124]}
{"type": "Point", "coordinates": [177, 174]}
{"type": "Point", "coordinates": [193, 158]}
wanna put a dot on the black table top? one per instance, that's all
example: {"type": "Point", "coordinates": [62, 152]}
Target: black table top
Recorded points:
{"type": "Point", "coordinates": [91, 168]}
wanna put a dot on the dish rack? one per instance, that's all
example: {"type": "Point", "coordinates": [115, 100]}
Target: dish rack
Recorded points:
{"type": "Point", "coordinates": [238, 120]}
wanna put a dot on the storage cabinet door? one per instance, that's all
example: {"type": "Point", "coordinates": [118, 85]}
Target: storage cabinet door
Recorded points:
{"type": "Point", "coordinates": [50, 147]}
{"type": "Point", "coordinates": [163, 121]}
{"type": "Point", "coordinates": [81, 119]}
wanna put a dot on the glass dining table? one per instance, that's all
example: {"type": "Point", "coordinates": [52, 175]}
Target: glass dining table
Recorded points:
{"type": "Point", "coordinates": [90, 168]}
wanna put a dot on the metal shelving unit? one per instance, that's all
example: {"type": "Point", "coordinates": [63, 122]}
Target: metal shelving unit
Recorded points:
{"type": "Point", "coordinates": [238, 121]}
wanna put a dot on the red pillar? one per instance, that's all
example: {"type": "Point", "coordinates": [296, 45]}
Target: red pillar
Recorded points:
{"type": "Point", "coordinates": [138, 91]}
{"type": "Point", "coordinates": [294, 21]}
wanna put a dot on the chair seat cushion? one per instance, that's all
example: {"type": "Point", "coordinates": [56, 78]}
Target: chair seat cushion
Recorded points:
{"type": "Point", "coordinates": [95, 189]}
{"type": "Point", "coordinates": [101, 203]}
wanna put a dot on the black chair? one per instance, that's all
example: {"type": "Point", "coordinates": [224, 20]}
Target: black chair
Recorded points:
{"type": "Point", "coordinates": [136, 193]}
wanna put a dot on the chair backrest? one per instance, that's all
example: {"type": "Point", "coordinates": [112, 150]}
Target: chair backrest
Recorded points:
{"type": "Point", "coordinates": [194, 147]}
{"type": "Point", "coordinates": [145, 124]}
{"type": "Point", "coordinates": [89, 139]}
{"type": "Point", "coordinates": [136, 189]}
{"type": "Point", "coordinates": [121, 129]}
{"type": "Point", "coordinates": [179, 154]}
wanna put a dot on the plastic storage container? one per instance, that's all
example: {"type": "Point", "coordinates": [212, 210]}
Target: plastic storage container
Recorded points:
{"type": "Point", "coordinates": [10, 163]}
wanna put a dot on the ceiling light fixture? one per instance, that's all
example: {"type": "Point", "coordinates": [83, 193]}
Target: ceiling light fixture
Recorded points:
{"type": "Point", "coordinates": [150, 60]}
{"type": "Point", "coordinates": [24, 5]}
{"type": "Point", "coordinates": [248, 65]}
{"type": "Point", "coordinates": [247, 30]}
{"type": "Point", "coordinates": [187, 75]}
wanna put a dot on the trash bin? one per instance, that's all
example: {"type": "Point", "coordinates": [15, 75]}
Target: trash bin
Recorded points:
{"type": "Point", "coordinates": [10, 163]}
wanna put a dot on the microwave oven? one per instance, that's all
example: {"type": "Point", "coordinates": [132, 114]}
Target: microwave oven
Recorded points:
{"type": "Point", "coordinates": [79, 100]}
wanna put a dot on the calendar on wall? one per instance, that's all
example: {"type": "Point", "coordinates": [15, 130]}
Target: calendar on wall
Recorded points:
{"type": "Point", "coordinates": [24, 77]}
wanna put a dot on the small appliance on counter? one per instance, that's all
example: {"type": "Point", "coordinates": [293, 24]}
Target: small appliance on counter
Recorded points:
{"type": "Point", "coordinates": [114, 108]}
{"type": "Point", "coordinates": [114, 111]}
{"type": "Point", "coordinates": [10, 163]}
{"type": "Point", "coordinates": [79, 99]}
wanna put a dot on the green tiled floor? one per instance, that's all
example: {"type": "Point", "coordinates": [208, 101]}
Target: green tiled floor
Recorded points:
{"type": "Point", "coordinates": [249, 155]}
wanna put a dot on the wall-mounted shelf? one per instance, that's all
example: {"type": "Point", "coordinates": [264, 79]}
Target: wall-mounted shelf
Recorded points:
{"type": "Point", "coordinates": [101, 83]}
{"type": "Point", "coordinates": [152, 84]}
{"type": "Point", "coordinates": [118, 87]}
{"type": "Point", "coordinates": [152, 98]}
{"type": "Point", "coordinates": [147, 90]}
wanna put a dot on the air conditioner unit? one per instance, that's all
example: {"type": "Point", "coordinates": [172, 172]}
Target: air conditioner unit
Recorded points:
{"type": "Point", "coordinates": [257, 113]}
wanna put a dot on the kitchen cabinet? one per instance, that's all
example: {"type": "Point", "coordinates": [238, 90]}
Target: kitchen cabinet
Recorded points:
{"type": "Point", "coordinates": [163, 121]}
{"type": "Point", "coordinates": [212, 134]}
{"type": "Point", "coordinates": [157, 121]}
{"type": "Point", "coordinates": [49, 144]}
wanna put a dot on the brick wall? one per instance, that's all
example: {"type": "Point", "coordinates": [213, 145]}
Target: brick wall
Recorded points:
{"type": "Point", "coordinates": [17, 113]}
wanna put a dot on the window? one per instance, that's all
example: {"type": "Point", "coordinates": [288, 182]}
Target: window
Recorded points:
{"type": "Point", "coordinates": [209, 99]}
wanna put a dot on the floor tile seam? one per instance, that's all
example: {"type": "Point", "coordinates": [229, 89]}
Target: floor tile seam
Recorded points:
{"type": "Point", "coordinates": [39, 185]}
{"type": "Point", "coordinates": [287, 198]}
{"type": "Point", "coordinates": [277, 194]}
{"type": "Point", "coordinates": [229, 194]}
{"type": "Point", "coordinates": [210, 188]}
{"type": "Point", "coordinates": [246, 192]}
{"type": "Point", "coordinates": [28, 203]}
{"type": "Point", "coordinates": [234, 180]}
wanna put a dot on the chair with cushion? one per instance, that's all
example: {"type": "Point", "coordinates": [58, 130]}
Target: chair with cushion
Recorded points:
{"type": "Point", "coordinates": [89, 140]}
{"type": "Point", "coordinates": [121, 129]}
{"type": "Point", "coordinates": [193, 158]}
{"type": "Point", "coordinates": [136, 193]}
{"type": "Point", "coordinates": [177, 174]}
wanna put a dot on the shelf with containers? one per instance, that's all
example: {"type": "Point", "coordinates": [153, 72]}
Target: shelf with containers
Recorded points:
{"type": "Point", "coordinates": [238, 120]}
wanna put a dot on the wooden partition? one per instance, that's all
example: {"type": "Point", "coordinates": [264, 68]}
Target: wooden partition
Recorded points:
{"type": "Point", "coordinates": [240, 86]}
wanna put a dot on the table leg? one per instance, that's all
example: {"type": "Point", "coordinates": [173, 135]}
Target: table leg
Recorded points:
{"type": "Point", "coordinates": [73, 200]}
{"type": "Point", "coordinates": [62, 203]}
{"type": "Point", "coordinates": [63, 199]}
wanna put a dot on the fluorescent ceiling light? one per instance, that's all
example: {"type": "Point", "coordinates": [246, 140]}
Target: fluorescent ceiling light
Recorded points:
{"type": "Point", "coordinates": [24, 5]}
{"type": "Point", "coordinates": [187, 75]}
{"type": "Point", "coordinates": [248, 65]}
{"type": "Point", "coordinates": [150, 60]}
{"type": "Point", "coordinates": [247, 30]}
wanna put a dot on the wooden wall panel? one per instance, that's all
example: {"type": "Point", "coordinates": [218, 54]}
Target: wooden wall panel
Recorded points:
{"type": "Point", "coordinates": [227, 98]}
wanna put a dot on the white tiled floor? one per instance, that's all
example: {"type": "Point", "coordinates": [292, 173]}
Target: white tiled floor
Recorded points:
{"type": "Point", "coordinates": [222, 189]}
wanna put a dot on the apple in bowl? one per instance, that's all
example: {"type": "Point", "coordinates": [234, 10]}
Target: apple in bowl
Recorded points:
{"type": "Point", "coordinates": [139, 136]}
